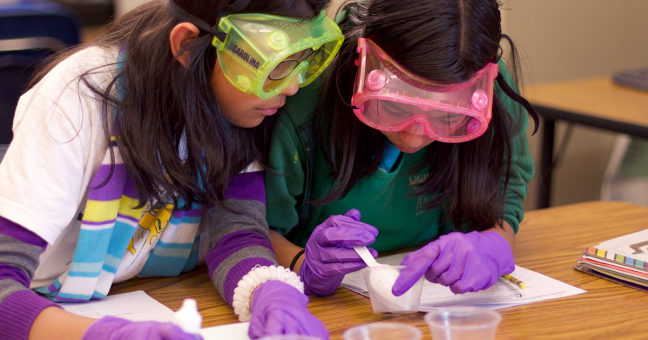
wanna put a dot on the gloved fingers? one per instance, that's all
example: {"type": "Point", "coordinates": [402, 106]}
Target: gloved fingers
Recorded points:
{"type": "Point", "coordinates": [349, 235]}
{"type": "Point", "coordinates": [476, 281]}
{"type": "Point", "coordinates": [416, 264]}
{"type": "Point", "coordinates": [439, 266]}
{"type": "Point", "coordinates": [461, 287]}
{"type": "Point", "coordinates": [303, 322]}
{"type": "Point", "coordinates": [455, 271]}
{"type": "Point", "coordinates": [293, 322]}
{"type": "Point", "coordinates": [169, 331]}
{"type": "Point", "coordinates": [354, 214]}
{"type": "Point", "coordinates": [275, 324]}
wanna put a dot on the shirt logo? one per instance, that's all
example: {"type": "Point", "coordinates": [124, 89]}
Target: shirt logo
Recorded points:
{"type": "Point", "coordinates": [418, 179]}
{"type": "Point", "coordinates": [244, 55]}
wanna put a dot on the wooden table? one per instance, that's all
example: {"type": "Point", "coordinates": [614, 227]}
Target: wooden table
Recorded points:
{"type": "Point", "coordinates": [549, 242]}
{"type": "Point", "coordinates": [596, 102]}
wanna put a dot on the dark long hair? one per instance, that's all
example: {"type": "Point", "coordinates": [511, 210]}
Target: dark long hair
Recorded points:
{"type": "Point", "coordinates": [165, 105]}
{"type": "Point", "coordinates": [442, 40]}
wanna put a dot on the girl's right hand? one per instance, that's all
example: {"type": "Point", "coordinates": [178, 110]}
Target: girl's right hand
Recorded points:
{"type": "Point", "coordinates": [279, 308]}
{"type": "Point", "coordinates": [112, 328]}
{"type": "Point", "coordinates": [465, 262]}
{"type": "Point", "coordinates": [329, 252]}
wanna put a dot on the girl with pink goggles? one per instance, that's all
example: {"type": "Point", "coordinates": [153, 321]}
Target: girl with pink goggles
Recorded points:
{"type": "Point", "coordinates": [390, 98]}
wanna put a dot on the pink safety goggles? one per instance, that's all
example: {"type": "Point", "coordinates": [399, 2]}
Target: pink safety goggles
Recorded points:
{"type": "Point", "coordinates": [388, 97]}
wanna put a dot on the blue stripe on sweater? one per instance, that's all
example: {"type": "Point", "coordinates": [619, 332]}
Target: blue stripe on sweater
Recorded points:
{"type": "Point", "coordinates": [163, 266]}
{"type": "Point", "coordinates": [90, 252]}
{"type": "Point", "coordinates": [111, 263]}
{"type": "Point", "coordinates": [85, 269]}
{"type": "Point", "coordinates": [74, 296]}
{"type": "Point", "coordinates": [193, 257]}
{"type": "Point", "coordinates": [121, 236]}
{"type": "Point", "coordinates": [184, 219]}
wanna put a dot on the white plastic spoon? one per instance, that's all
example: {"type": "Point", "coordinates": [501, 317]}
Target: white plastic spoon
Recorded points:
{"type": "Point", "coordinates": [381, 280]}
{"type": "Point", "coordinates": [367, 257]}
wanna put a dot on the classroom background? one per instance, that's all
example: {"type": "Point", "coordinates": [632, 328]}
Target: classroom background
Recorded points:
{"type": "Point", "coordinates": [557, 40]}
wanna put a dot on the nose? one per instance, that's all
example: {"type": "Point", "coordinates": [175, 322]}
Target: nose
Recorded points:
{"type": "Point", "coordinates": [414, 141]}
{"type": "Point", "coordinates": [292, 88]}
{"type": "Point", "coordinates": [416, 129]}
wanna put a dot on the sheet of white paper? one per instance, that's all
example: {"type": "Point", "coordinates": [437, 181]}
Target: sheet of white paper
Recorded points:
{"type": "Point", "coordinates": [235, 331]}
{"type": "Point", "coordinates": [134, 306]}
{"type": "Point", "coordinates": [501, 294]}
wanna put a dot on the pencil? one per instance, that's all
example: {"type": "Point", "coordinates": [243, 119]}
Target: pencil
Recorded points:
{"type": "Point", "coordinates": [514, 281]}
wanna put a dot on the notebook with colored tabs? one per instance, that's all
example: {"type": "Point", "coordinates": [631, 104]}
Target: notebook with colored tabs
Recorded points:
{"type": "Point", "coordinates": [622, 260]}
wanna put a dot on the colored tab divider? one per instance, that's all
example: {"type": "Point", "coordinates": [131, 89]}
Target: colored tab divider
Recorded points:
{"type": "Point", "coordinates": [616, 257]}
{"type": "Point", "coordinates": [619, 258]}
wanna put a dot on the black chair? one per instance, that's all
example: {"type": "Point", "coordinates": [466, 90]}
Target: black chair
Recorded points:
{"type": "Point", "coordinates": [29, 31]}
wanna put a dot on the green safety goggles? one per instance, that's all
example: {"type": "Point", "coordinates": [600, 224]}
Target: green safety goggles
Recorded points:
{"type": "Point", "coordinates": [262, 54]}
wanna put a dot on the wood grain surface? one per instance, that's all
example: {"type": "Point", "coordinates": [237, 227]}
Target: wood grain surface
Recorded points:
{"type": "Point", "coordinates": [599, 97]}
{"type": "Point", "coordinates": [549, 242]}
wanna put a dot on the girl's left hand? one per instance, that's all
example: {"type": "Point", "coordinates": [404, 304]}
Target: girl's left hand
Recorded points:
{"type": "Point", "coordinates": [464, 262]}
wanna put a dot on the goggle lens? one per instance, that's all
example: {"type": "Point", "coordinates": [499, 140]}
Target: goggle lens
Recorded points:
{"type": "Point", "coordinates": [317, 60]}
{"type": "Point", "coordinates": [285, 68]}
{"type": "Point", "coordinates": [445, 124]}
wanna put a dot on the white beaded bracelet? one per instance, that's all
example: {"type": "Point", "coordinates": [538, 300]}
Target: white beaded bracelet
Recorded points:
{"type": "Point", "coordinates": [253, 279]}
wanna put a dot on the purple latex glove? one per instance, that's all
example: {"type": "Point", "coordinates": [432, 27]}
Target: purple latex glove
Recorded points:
{"type": "Point", "coordinates": [329, 253]}
{"type": "Point", "coordinates": [465, 262]}
{"type": "Point", "coordinates": [279, 308]}
{"type": "Point", "coordinates": [112, 328]}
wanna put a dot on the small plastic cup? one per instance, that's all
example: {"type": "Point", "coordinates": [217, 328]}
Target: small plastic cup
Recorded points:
{"type": "Point", "coordinates": [383, 331]}
{"type": "Point", "coordinates": [380, 281]}
{"type": "Point", "coordinates": [289, 337]}
{"type": "Point", "coordinates": [463, 323]}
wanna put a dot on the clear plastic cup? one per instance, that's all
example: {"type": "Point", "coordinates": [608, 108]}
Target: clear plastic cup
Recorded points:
{"type": "Point", "coordinates": [380, 281]}
{"type": "Point", "coordinates": [383, 331]}
{"type": "Point", "coordinates": [463, 323]}
{"type": "Point", "coordinates": [289, 337]}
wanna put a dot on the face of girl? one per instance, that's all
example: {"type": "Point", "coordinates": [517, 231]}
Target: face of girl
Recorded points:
{"type": "Point", "coordinates": [243, 109]}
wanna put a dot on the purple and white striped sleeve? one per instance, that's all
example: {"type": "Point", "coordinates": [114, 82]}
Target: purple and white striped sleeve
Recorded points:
{"type": "Point", "coordinates": [239, 238]}
{"type": "Point", "coordinates": [20, 250]}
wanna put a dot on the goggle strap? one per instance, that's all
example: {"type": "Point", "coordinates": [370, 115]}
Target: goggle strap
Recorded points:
{"type": "Point", "coordinates": [182, 15]}
{"type": "Point", "coordinates": [343, 68]}
{"type": "Point", "coordinates": [509, 92]}
{"type": "Point", "coordinates": [235, 5]}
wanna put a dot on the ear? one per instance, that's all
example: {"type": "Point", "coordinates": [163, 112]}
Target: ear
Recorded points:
{"type": "Point", "coordinates": [181, 34]}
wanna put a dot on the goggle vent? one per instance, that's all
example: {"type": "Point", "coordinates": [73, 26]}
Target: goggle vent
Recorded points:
{"type": "Point", "coordinates": [479, 100]}
{"type": "Point", "coordinates": [375, 80]}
